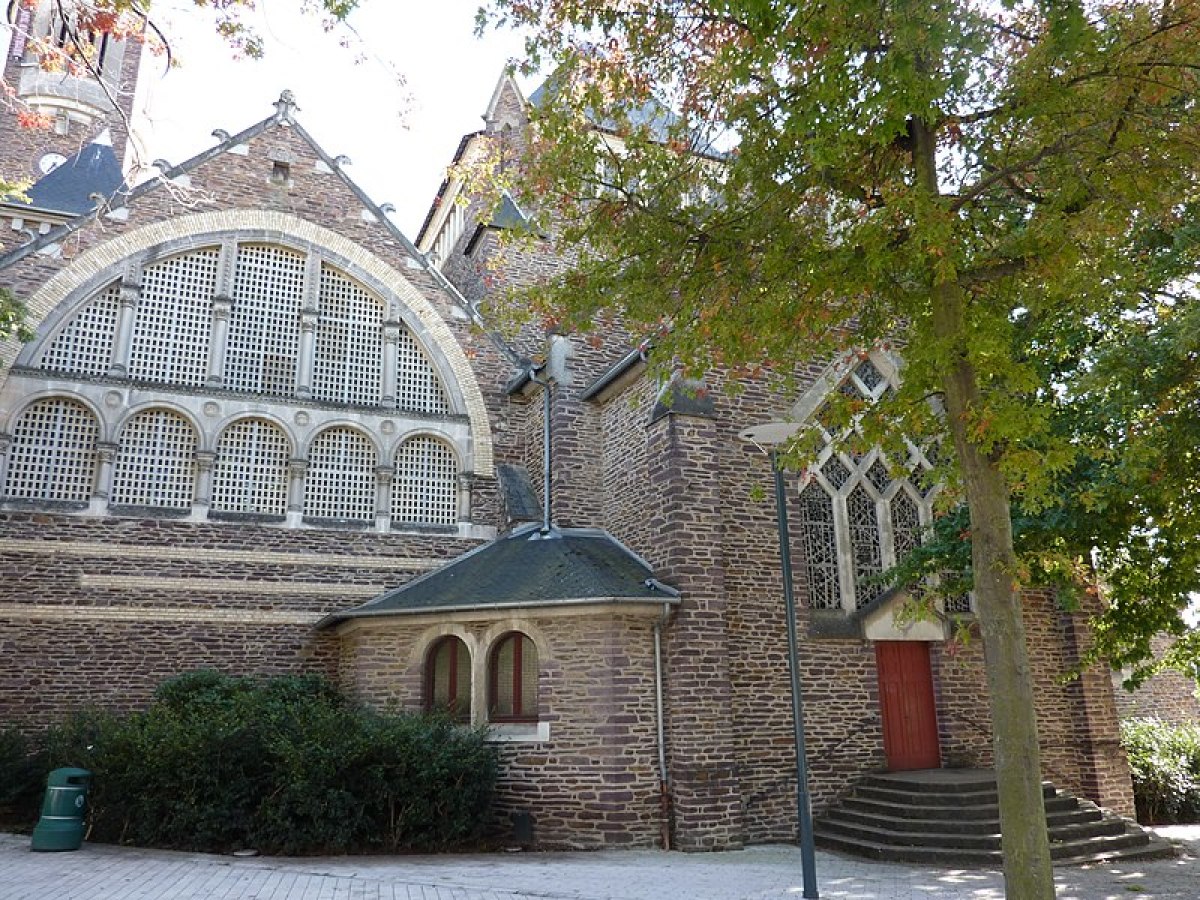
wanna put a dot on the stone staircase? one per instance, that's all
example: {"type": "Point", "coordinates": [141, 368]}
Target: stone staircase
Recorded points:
{"type": "Point", "coordinates": [952, 817]}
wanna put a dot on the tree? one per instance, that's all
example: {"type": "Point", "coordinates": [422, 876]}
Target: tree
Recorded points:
{"type": "Point", "coordinates": [973, 180]}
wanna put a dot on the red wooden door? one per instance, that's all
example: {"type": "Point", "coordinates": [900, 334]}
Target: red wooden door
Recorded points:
{"type": "Point", "coordinates": [910, 734]}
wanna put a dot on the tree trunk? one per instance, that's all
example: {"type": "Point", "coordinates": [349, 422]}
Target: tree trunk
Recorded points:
{"type": "Point", "coordinates": [1028, 873]}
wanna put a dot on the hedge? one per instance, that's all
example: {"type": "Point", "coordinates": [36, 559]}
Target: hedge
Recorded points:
{"type": "Point", "coordinates": [286, 765]}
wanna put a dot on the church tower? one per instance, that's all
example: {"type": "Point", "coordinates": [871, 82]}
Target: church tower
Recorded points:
{"type": "Point", "coordinates": [78, 105]}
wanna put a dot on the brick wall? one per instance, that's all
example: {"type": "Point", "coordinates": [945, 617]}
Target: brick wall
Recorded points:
{"type": "Point", "coordinates": [1170, 695]}
{"type": "Point", "coordinates": [99, 611]}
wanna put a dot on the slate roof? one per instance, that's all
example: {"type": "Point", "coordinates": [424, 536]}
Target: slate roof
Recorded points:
{"type": "Point", "coordinates": [525, 568]}
{"type": "Point", "coordinates": [650, 113]}
{"type": "Point", "coordinates": [68, 189]}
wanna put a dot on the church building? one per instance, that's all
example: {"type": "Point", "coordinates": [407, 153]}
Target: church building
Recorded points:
{"type": "Point", "coordinates": [261, 430]}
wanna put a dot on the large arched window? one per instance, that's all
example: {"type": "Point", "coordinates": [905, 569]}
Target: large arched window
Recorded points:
{"type": "Point", "coordinates": [53, 452]}
{"type": "Point", "coordinates": [251, 471]}
{"type": "Point", "coordinates": [512, 679]}
{"type": "Point", "coordinates": [448, 678]}
{"type": "Point", "coordinates": [425, 486]}
{"type": "Point", "coordinates": [341, 476]}
{"type": "Point", "coordinates": [155, 464]}
{"type": "Point", "coordinates": [858, 514]}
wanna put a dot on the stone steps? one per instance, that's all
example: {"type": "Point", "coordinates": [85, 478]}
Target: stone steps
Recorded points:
{"type": "Point", "coordinates": [951, 817]}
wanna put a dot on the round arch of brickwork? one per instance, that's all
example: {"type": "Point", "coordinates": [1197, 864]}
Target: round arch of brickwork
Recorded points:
{"type": "Point", "coordinates": [87, 271]}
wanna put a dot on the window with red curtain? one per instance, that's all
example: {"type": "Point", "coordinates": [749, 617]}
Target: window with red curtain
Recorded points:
{"type": "Point", "coordinates": [448, 679]}
{"type": "Point", "coordinates": [512, 680]}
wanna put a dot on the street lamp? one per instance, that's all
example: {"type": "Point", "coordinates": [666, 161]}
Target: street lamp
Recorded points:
{"type": "Point", "coordinates": [768, 438]}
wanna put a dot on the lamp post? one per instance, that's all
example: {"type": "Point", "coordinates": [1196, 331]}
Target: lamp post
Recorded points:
{"type": "Point", "coordinates": [768, 438]}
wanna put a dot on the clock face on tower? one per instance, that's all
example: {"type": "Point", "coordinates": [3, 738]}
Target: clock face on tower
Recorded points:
{"type": "Point", "coordinates": [49, 162]}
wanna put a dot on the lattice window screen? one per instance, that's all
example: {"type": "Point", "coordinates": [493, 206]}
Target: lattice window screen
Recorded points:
{"type": "Point", "coordinates": [348, 364]}
{"type": "Point", "coordinates": [820, 548]}
{"type": "Point", "coordinates": [251, 472]}
{"type": "Point", "coordinates": [417, 386]}
{"type": "Point", "coordinates": [863, 518]}
{"type": "Point", "coordinates": [425, 486]}
{"type": "Point", "coordinates": [174, 319]}
{"type": "Point", "coordinates": [264, 326]}
{"type": "Point", "coordinates": [155, 464]}
{"type": "Point", "coordinates": [341, 477]}
{"type": "Point", "coordinates": [85, 345]}
{"type": "Point", "coordinates": [53, 452]}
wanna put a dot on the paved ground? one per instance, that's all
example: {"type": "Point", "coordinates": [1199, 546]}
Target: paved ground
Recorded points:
{"type": "Point", "coordinates": [99, 872]}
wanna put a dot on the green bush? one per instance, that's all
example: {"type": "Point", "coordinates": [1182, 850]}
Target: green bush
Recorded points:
{"type": "Point", "coordinates": [286, 766]}
{"type": "Point", "coordinates": [21, 771]}
{"type": "Point", "coordinates": [1165, 761]}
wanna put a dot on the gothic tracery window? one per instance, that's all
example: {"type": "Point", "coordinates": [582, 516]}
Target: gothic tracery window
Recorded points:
{"type": "Point", "coordinates": [860, 513]}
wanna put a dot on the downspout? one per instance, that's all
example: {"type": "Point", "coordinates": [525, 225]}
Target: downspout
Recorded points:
{"type": "Point", "coordinates": [664, 793]}
{"type": "Point", "coordinates": [546, 385]}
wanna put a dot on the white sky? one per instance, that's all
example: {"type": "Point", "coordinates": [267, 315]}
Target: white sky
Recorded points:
{"type": "Point", "coordinates": [399, 136]}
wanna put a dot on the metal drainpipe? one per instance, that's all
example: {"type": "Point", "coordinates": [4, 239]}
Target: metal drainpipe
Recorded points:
{"type": "Point", "coordinates": [664, 795]}
{"type": "Point", "coordinates": [546, 386]}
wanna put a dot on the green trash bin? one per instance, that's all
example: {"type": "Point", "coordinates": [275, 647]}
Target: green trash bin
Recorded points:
{"type": "Point", "coordinates": [61, 824]}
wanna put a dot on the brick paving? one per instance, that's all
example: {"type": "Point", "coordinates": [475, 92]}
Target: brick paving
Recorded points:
{"type": "Point", "coordinates": [102, 872]}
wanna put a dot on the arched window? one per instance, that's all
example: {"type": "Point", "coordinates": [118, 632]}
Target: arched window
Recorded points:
{"type": "Point", "coordinates": [264, 323]}
{"type": "Point", "coordinates": [425, 486]}
{"type": "Point", "coordinates": [173, 323]}
{"type": "Point", "coordinates": [251, 471]}
{"type": "Point", "coordinates": [341, 476]}
{"type": "Point", "coordinates": [859, 515]}
{"type": "Point", "coordinates": [512, 680]}
{"type": "Point", "coordinates": [84, 346]}
{"type": "Point", "coordinates": [348, 367]}
{"type": "Point", "coordinates": [53, 452]}
{"type": "Point", "coordinates": [155, 464]}
{"type": "Point", "coordinates": [448, 678]}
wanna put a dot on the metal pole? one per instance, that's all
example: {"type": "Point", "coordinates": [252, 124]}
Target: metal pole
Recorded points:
{"type": "Point", "coordinates": [808, 856]}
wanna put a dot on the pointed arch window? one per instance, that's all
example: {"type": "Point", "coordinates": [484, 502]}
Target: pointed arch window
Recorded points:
{"type": "Point", "coordinates": [860, 514]}
{"type": "Point", "coordinates": [53, 452]}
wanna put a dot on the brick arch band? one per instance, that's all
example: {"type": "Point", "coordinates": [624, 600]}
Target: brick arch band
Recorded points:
{"type": "Point", "coordinates": [292, 230]}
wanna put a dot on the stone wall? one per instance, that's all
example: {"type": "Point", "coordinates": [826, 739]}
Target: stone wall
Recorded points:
{"type": "Point", "coordinates": [590, 779]}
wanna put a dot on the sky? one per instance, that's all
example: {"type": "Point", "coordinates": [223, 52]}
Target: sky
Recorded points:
{"type": "Point", "coordinates": [413, 81]}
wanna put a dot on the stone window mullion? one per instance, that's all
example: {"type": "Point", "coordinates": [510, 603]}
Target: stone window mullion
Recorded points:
{"type": "Point", "coordinates": [5, 445]}
{"type": "Point", "coordinates": [297, 484]}
{"type": "Point", "coordinates": [106, 455]}
{"type": "Point", "coordinates": [383, 497]}
{"type": "Point", "coordinates": [309, 322]}
{"type": "Point", "coordinates": [391, 339]}
{"type": "Point", "coordinates": [131, 293]}
{"type": "Point", "coordinates": [202, 500]}
{"type": "Point", "coordinates": [222, 305]}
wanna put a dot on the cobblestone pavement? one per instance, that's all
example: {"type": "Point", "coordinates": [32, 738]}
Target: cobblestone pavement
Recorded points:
{"type": "Point", "coordinates": [100, 872]}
